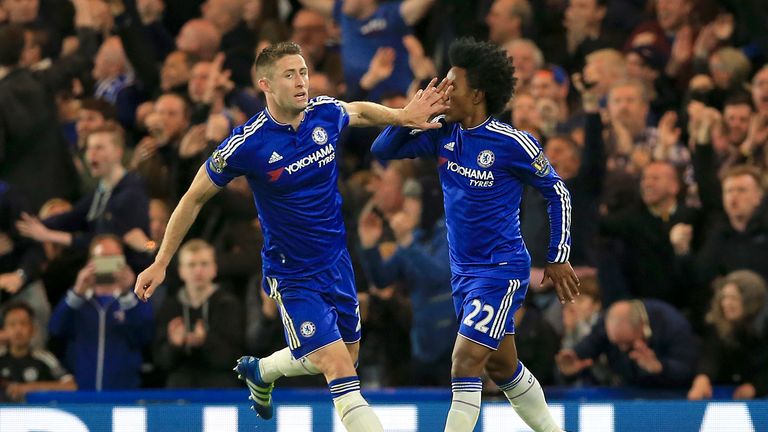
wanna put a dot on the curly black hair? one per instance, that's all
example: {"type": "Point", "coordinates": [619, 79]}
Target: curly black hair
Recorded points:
{"type": "Point", "coordinates": [488, 70]}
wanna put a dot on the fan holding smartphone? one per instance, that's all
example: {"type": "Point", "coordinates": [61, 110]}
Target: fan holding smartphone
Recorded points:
{"type": "Point", "coordinates": [102, 322]}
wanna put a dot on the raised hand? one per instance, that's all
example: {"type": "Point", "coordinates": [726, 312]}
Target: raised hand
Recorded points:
{"type": "Point", "coordinates": [380, 68]}
{"type": "Point", "coordinates": [589, 97]}
{"type": "Point", "coordinates": [86, 278]}
{"type": "Point", "coordinates": [669, 133]}
{"type": "Point", "coordinates": [422, 66]}
{"type": "Point", "coordinates": [425, 104]}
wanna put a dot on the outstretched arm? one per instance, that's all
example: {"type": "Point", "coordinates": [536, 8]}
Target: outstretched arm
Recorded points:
{"type": "Point", "coordinates": [199, 192]}
{"type": "Point", "coordinates": [425, 104]}
{"type": "Point", "coordinates": [414, 10]}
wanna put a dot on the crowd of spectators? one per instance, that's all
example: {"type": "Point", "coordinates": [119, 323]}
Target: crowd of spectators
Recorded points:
{"type": "Point", "coordinates": [654, 113]}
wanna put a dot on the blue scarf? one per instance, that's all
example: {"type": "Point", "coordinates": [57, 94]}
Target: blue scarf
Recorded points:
{"type": "Point", "coordinates": [108, 89]}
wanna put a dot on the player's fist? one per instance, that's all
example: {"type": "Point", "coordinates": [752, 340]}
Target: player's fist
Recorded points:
{"type": "Point", "coordinates": [680, 236]}
{"type": "Point", "coordinates": [148, 281]}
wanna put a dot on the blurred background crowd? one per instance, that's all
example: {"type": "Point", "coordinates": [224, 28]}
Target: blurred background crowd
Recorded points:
{"type": "Point", "coordinates": [654, 112]}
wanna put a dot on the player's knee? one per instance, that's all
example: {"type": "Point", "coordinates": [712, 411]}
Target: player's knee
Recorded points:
{"type": "Point", "coordinates": [500, 368]}
{"type": "Point", "coordinates": [467, 364]}
{"type": "Point", "coordinates": [333, 363]}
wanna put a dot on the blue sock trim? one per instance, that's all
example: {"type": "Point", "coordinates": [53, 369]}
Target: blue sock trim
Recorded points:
{"type": "Point", "coordinates": [340, 387]}
{"type": "Point", "coordinates": [468, 384]}
{"type": "Point", "coordinates": [511, 383]}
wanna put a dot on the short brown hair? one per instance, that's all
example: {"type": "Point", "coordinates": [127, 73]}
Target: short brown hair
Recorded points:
{"type": "Point", "coordinates": [271, 54]}
{"type": "Point", "coordinates": [744, 170]}
{"type": "Point", "coordinates": [195, 245]}
{"type": "Point", "coordinates": [114, 129]}
{"type": "Point", "coordinates": [104, 237]}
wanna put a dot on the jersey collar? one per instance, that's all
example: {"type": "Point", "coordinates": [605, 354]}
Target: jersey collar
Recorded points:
{"type": "Point", "coordinates": [278, 124]}
{"type": "Point", "coordinates": [474, 128]}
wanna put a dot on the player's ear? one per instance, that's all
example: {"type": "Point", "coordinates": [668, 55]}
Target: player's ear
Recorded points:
{"type": "Point", "coordinates": [263, 84]}
{"type": "Point", "coordinates": [478, 97]}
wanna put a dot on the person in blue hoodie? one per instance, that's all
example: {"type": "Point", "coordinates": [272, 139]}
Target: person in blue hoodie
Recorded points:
{"type": "Point", "coordinates": [102, 323]}
{"type": "Point", "coordinates": [420, 263]}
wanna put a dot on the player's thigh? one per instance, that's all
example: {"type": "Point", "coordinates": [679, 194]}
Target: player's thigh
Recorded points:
{"type": "Point", "coordinates": [486, 306]}
{"type": "Point", "coordinates": [309, 321]}
{"type": "Point", "coordinates": [343, 295]}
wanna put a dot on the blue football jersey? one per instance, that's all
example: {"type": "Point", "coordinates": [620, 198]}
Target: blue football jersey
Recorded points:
{"type": "Point", "coordinates": [483, 171]}
{"type": "Point", "coordinates": [361, 38]}
{"type": "Point", "coordinates": [293, 176]}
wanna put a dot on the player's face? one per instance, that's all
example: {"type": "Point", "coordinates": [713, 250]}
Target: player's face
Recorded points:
{"type": "Point", "coordinates": [289, 83]}
{"type": "Point", "coordinates": [197, 269]}
{"type": "Point", "coordinates": [460, 103]}
{"type": "Point", "coordinates": [18, 324]}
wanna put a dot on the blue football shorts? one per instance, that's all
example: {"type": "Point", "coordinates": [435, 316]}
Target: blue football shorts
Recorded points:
{"type": "Point", "coordinates": [319, 309]}
{"type": "Point", "coordinates": [486, 307]}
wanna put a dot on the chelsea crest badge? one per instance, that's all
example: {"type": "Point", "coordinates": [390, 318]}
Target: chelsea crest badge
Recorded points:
{"type": "Point", "coordinates": [319, 136]}
{"type": "Point", "coordinates": [486, 158]}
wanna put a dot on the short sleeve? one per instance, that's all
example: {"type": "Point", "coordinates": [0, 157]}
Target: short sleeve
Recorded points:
{"type": "Point", "coordinates": [331, 108]}
{"type": "Point", "coordinates": [225, 163]}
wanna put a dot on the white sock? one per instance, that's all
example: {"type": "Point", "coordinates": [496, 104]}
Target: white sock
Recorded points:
{"type": "Point", "coordinates": [281, 363]}
{"type": "Point", "coordinates": [465, 407]}
{"type": "Point", "coordinates": [355, 413]}
{"type": "Point", "coordinates": [527, 398]}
